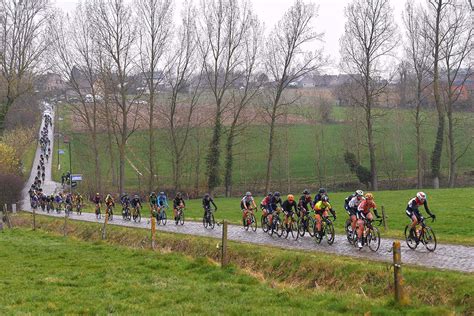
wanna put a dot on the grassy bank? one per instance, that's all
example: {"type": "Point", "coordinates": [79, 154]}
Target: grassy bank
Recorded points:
{"type": "Point", "coordinates": [57, 275]}
{"type": "Point", "coordinates": [454, 209]}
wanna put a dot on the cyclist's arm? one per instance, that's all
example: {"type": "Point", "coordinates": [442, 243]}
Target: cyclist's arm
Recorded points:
{"type": "Point", "coordinates": [215, 206]}
{"type": "Point", "coordinates": [425, 205]}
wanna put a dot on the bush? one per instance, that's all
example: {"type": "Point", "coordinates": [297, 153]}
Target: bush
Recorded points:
{"type": "Point", "coordinates": [8, 161]}
{"type": "Point", "coordinates": [362, 173]}
{"type": "Point", "coordinates": [10, 188]}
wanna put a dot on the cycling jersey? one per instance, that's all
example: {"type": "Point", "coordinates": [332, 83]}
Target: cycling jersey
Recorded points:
{"type": "Point", "coordinates": [178, 201]}
{"type": "Point", "coordinates": [274, 201]}
{"type": "Point", "coordinates": [246, 202]}
{"type": "Point", "coordinates": [135, 202]}
{"type": "Point", "coordinates": [318, 198]}
{"type": "Point", "coordinates": [413, 208]}
{"type": "Point", "coordinates": [322, 206]}
{"type": "Point", "coordinates": [162, 200]}
{"type": "Point", "coordinates": [153, 200]}
{"type": "Point", "coordinates": [288, 207]}
{"type": "Point", "coordinates": [110, 201]}
{"type": "Point", "coordinates": [365, 206]}
{"type": "Point", "coordinates": [125, 200]}
{"type": "Point", "coordinates": [97, 199]}
{"type": "Point", "coordinates": [266, 202]}
{"type": "Point", "coordinates": [206, 203]}
{"type": "Point", "coordinates": [304, 201]}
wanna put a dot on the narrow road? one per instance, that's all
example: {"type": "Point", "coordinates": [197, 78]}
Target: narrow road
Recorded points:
{"type": "Point", "coordinates": [449, 257]}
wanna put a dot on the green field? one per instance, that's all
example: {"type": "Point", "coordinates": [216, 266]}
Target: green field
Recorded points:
{"type": "Point", "coordinates": [307, 155]}
{"type": "Point", "coordinates": [53, 275]}
{"type": "Point", "coordinates": [454, 209]}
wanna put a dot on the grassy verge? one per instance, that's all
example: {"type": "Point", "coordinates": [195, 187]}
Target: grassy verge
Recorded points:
{"type": "Point", "coordinates": [98, 278]}
{"type": "Point", "coordinates": [28, 158]}
{"type": "Point", "coordinates": [454, 209]}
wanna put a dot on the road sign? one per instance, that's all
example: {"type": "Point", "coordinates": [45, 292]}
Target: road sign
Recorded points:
{"type": "Point", "coordinates": [61, 152]}
{"type": "Point", "coordinates": [74, 184]}
{"type": "Point", "coordinates": [76, 177]}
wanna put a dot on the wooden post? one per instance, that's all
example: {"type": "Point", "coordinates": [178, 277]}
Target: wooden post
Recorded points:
{"type": "Point", "coordinates": [7, 217]}
{"type": "Point", "coordinates": [153, 232]}
{"type": "Point", "coordinates": [104, 234]}
{"type": "Point", "coordinates": [34, 218]}
{"type": "Point", "coordinates": [397, 272]}
{"type": "Point", "coordinates": [65, 223]}
{"type": "Point", "coordinates": [224, 245]}
{"type": "Point", "coordinates": [384, 218]}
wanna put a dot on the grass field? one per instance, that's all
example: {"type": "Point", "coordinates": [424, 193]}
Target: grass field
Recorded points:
{"type": "Point", "coordinates": [47, 274]}
{"type": "Point", "coordinates": [315, 153]}
{"type": "Point", "coordinates": [454, 209]}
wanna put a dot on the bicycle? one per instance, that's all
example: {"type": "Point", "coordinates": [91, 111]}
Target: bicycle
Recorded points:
{"type": "Point", "coordinates": [161, 215]}
{"type": "Point", "coordinates": [179, 216]}
{"type": "Point", "coordinates": [276, 225]}
{"type": "Point", "coordinates": [208, 220]}
{"type": "Point", "coordinates": [249, 220]}
{"type": "Point", "coordinates": [97, 211]}
{"type": "Point", "coordinates": [110, 212]}
{"type": "Point", "coordinates": [126, 216]}
{"type": "Point", "coordinates": [349, 231]}
{"type": "Point", "coordinates": [68, 209]}
{"type": "Point", "coordinates": [137, 217]}
{"type": "Point", "coordinates": [370, 235]}
{"type": "Point", "coordinates": [291, 228]}
{"type": "Point", "coordinates": [264, 220]}
{"type": "Point", "coordinates": [79, 209]}
{"type": "Point", "coordinates": [327, 230]}
{"type": "Point", "coordinates": [58, 207]}
{"type": "Point", "coordinates": [422, 233]}
{"type": "Point", "coordinates": [306, 224]}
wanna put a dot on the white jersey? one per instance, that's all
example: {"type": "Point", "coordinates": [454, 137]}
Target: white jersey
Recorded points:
{"type": "Point", "coordinates": [354, 202]}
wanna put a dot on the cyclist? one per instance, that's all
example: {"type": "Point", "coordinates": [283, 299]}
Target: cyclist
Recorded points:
{"type": "Point", "coordinates": [246, 204]}
{"type": "Point", "coordinates": [68, 201]}
{"type": "Point", "coordinates": [265, 204]}
{"type": "Point", "coordinates": [321, 210]}
{"type": "Point", "coordinates": [318, 197]}
{"type": "Point", "coordinates": [413, 211]}
{"type": "Point", "coordinates": [288, 206]}
{"type": "Point", "coordinates": [178, 201]}
{"type": "Point", "coordinates": [78, 201]}
{"type": "Point", "coordinates": [154, 203]}
{"type": "Point", "coordinates": [162, 200]}
{"type": "Point", "coordinates": [59, 201]}
{"type": "Point", "coordinates": [206, 204]}
{"type": "Point", "coordinates": [304, 203]}
{"type": "Point", "coordinates": [363, 212]}
{"type": "Point", "coordinates": [125, 202]}
{"type": "Point", "coordinates": [97, 201]}
{"type": "Point", "coordinates": [136, 203]}
{"type": "Point", "coordinates": [109, 202]}
{"type": "Point", "coordinates": [275, 202]}
{"type": "Point", "coordinates": [350, 205]}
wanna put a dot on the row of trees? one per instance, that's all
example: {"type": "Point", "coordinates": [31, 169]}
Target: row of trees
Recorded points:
{"type": "Point", "coordinates": [438, 46]}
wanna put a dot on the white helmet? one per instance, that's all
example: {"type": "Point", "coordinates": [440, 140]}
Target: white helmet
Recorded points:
{"type": "Point", "coordinates": [421, 196]}
{"type": "Point", "coordinates": [359, 193]}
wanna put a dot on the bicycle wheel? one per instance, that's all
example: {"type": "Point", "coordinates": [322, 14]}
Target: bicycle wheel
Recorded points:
{"type": "Point", "coordinates": [163, 217]}
{"type": "Point", "coordinates": [253, 223]}
{"type": "Point", "coordinates": [329, 232]}
{"type": "Point", "coordinates": [429, 239]}
{"type": "Point", "coordinates": [348, 229]}
{"type": "Point", "coordinates": [318, 236]}
{"type": "Point", "coordinates": [373, 239]}
{"type": "Point", "coordinates": [294, 230]}
{"type": "Point", "coordinates": [409, 238]}
{"type": "Point", "coordinates": [301, 226]}
{"type": "Point", "coordinates": [181, 218]}
{"type": "Point", "coordinates": [212, 221]}
{"type": "Point", "coordinates": [310, 226]}
{"type": "Point", "coordinates": [264, 222]}
{"type": "Point", "coordinates": [246, 222]}
{"type": "Point", "coordinates": [205, 221]}
{"type": "Point", "coordinates": [278, 227]}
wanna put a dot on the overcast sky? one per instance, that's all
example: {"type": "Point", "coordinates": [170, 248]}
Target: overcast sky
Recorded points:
{"type": "Point", "coordinates": [330, 20]}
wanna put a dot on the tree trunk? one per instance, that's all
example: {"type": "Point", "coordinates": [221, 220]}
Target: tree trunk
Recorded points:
{"type": "Point", "coordinates": [270, 153]}
{"type": "Point", "coordinates": [110, 150]}
{"type": "Point", "coordinates": [437, 151]}
{"type": "Point", "coordinates": [452, 150]}
{"type": "Point", "coordinates": [95, 149]}
{"type": "Point", "coordinates": [419, 164]}
{"type": "Point", "coordinates": [373, 166]}
{"type": "Point", "coordinates": [229, 162]}
{"type": "Point", "coordinates": [151, 143]}
{"type": "Point", "coordinates": [214, 153]}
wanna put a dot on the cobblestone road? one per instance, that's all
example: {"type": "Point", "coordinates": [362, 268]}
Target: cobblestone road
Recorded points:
{"type": "Point", "coordinates": [450, 257]}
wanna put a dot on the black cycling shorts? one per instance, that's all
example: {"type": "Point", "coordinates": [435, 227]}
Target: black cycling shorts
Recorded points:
{"type": "Point", "coordinates": [411, 212]}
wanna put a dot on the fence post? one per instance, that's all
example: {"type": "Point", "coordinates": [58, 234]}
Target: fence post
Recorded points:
{"type": "Point", "coordinates": [397, 272]}
{"type": "Point", "coordinates": [224, 244]}
{"type": "Point", "coordinates": [384, 218]}
{"type": "Point", "coordinates": [104, 234]}
{"type": "Point", "coordinates": [153, 232]}
{"type": "Point", "coordinates": [65, 223]}
{"type": "Point", "coordinates": [34, 218]}
{"type": "Point", "coordinates": [6, 216]}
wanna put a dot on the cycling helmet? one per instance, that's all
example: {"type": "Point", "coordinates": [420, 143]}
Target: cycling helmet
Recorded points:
{"type": "Point", "coordinates": [322, 190]}
{"type": "Point", "coordinates": [269, 194]}
{"type": "Point", "coordinates": [178, 194]}
{"type": "Point", "coordinates": [248, 194]}
{"type": "Point", "coordinates": [162, 193]}
{"type": "Point", "coordinates": [359, 193]}
{"type": "Point", "coordinates": [136, 196]}
{"type": "Point", "coordinates": [153, 193]}
{"type": "Point", "coordinates": [421, 196]}
{"type": "Point", "coordinates": [206, 196]}
{"type": "Point", "coordinates": [306, 192]}
{"type": "Point", "coordinates": [97, 194]}
{"type": "Point", "coordinates": [369, 196]}
{"type": "Point", "coordinates": [290, 197]}
{"type": "Point", "coordinates": [325, 198]}
{"type": "Point", "coordinates": [276, 193]}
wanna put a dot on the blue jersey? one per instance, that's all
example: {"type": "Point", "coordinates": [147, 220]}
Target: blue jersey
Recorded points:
{"type": "Point", "coordinates": [162, 200]}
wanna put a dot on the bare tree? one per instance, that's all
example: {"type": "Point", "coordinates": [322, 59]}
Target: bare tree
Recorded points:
{"type": "Point", "coordinates": [115, 34]}
{"type": "Point", "coordinates": [418, 52]}
{"type": "Point", "coordinates": [154, 32]}
{"type": "Point", "coordinates": [179, 108]}
{"type": "Point", "coordinates": [241, 99]}
{"type": "Point", "coordinates": [434, 16]}
{"type": "Point", "coordinates": [457, 63]}
{"type": "Point", "coordinates": [286, 61]}
{"type": "Point", "coordinates": [223, 27]}
{"type": "Point", "coordinates": [370, 37]}
{"type": "Point", "coordinates": [76, 59]}
{"type": "Point", "coordinates": [22, 43]}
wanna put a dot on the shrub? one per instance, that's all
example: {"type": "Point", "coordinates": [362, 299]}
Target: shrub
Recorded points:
{"type": "Point", "coordinates": [10, 188]}
{"type": "Point", "coordinates": [362, 173]}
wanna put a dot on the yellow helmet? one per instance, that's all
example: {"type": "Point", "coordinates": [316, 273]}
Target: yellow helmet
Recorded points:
{"type": "Point", "coordinates": [369, 196]}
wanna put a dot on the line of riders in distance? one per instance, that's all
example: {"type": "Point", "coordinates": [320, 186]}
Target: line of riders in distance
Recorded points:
{"type": "Point", "coordinates": [297, 214]}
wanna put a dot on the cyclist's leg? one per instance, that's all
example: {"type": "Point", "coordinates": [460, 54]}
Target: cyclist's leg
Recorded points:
{"type": "Point", "coordinates": [317, 217]}
{"type": "Point", "coordinates": [360, 225]}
